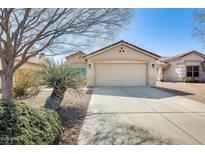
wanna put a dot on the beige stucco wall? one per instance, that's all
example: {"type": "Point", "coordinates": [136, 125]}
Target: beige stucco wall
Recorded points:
{"type": "Point", "coordinates": [112, 55]}
{"type": "Point", "coordinates": [77, 60]}
{"type": "Point", "coordinates": [177, 69]}
{"type": "Point", "coordinates": [159, 74]}
{"type": "Point", "coordinates": [32, 66]}
{"type": "Point", "coordinates": [28, 65]}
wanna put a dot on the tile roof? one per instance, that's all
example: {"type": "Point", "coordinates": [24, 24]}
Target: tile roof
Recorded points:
{"type": "Point", "coordinates": [165, 59]}
{"type": "Point", "coordinates": [75, 53]}
{"type": "Point", "coordinates": [122, 41]}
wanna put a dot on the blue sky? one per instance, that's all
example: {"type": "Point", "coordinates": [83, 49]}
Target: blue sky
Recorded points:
{"type": "Point", "coordinates": [163, 31]}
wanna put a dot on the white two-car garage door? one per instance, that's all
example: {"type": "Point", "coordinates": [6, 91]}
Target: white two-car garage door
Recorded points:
{"type": "Point", "coordinates": [121, 74]}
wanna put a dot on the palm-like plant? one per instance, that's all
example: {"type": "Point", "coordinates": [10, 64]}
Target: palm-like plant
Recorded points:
{"type": "Point", "coordinates": [60, 77]}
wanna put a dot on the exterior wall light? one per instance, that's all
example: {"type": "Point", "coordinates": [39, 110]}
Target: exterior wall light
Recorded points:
{"type": "Point", "coordinates": [152, 65]}
{"type": "Point", "coordinates": [89, 66]}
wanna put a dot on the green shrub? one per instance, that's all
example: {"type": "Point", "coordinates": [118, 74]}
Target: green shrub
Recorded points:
{"type": "Point", "coordinates": [26, 82]}
{"type": "Point", "coordinates": [189, 80]}
{"type": "Point", "coordinates": [21, 123]}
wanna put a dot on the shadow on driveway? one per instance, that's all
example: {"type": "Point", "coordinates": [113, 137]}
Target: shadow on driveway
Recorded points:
{"type": "Point", "coordinates": [139, 92]}
{"type": "Point", "coordinates": [175, 92]}
{"type": "Point", "coordinates": [109, 131]}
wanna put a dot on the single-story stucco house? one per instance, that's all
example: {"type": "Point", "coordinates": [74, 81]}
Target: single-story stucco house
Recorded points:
{"type": "Point", "coordinates": [33, 64]}
{"type": "Point", "coordinates": [124, 64]}
{"type": "Point", "coordinates": [188, 64]}
{"type": "Point", "coordinates": [119, 64]}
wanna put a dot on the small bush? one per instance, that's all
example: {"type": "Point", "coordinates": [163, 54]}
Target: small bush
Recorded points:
{"type": "Point", "coordinates": [21, 123]}
{"type": "Point", "coordinates": [189, 80]}
{"type": "Point", "coordinates": [26, 82]}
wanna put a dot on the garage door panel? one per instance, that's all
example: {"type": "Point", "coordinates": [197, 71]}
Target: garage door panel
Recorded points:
{"type": "Point", "coordinates": [121, 74]}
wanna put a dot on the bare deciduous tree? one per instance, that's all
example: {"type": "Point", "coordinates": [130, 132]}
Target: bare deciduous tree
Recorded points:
{"type": "Point", "coordinates": [25, 33]}
{"type": "Point", "coordinates": [199, 25]}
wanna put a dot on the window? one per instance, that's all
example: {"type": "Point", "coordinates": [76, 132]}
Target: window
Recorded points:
{"type": "Point", "coordinates": [82, 71]}
{"type": "Point", "coordinates": [192, 71]}
{"type": "Point", "coordinates": [189, 71]}
{"type": "Point", "coordinates": [196, 71]}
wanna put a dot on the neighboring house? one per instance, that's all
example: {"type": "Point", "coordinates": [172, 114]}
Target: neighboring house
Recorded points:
{"type": "Point", "coordinates": [189, 64]}
{"type": "Point", "coordinates": [121, 64]}
{"type": "Point", "coordinates": [77, 60]}
{"type": "Point", "coordinates": [33, 64]}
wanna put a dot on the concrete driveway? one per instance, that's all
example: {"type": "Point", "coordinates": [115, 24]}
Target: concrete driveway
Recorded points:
{"type": "Point", "coordinates": [141, 115]}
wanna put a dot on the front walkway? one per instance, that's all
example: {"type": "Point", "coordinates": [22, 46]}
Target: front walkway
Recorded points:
{"type": "Point", "coordinates": [140, 115]}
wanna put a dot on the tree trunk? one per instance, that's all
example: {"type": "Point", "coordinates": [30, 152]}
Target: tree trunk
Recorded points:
{"type": "Point", "coordinates": [55, 99]}
{"type": "Point", "coordinates": [7, 84]}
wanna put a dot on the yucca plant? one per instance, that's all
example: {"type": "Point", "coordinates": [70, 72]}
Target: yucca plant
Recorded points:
{"type": "Point", "coordinates": [60, 77]}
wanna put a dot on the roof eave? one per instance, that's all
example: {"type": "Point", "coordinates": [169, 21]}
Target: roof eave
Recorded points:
{"type": "Point", "coordinates": [125, 43]}
{"type": "Point", "coordinates": [179, 57]}
{"type": "Point", "coordinates": [75, 54]}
